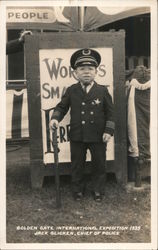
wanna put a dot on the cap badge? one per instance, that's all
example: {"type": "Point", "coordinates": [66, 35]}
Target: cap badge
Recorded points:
{"type": "Point", "coordinates": [86, 52]}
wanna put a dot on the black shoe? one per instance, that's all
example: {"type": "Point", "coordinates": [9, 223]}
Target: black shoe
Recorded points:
{"type": "Point", "coordinates": [78, 196]}
{"type": "Point", "coordinates": [97, 196]}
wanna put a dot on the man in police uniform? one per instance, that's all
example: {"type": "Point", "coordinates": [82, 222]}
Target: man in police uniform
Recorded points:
{"type": "Point", "coordinates": [91, 123]}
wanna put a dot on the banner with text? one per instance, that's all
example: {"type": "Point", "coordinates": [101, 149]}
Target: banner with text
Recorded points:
{"type": "Point", "coordinates": [56, 75]}
{"type": "Point", "coordinates": [58, 18]}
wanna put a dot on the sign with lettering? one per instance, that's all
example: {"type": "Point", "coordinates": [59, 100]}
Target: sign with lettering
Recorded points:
{"type": "Point", "coordinates": [56, 17]}
{"type": "Point", "coordinates": [44, 14]}
{"type": "Point", "coordinates": [56, 75]}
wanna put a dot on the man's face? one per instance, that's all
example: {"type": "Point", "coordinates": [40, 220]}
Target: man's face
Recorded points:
{"type": "Point", "coordinates": [86, 74]}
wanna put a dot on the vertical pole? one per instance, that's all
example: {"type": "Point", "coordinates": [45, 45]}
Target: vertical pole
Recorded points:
{"type": "Point", "coordinates": [81, 11]}
{"type": "Point", "coordinates": [56, 164]}
{"type": "Point", "coordinates": [137, 173]}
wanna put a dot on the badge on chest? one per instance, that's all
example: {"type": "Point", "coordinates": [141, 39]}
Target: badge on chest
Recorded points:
{"type": "Point", "coordinates": [96, 102]}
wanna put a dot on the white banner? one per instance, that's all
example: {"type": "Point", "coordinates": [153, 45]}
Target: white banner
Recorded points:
{"type": "Point", "coordinates": [56, 75]}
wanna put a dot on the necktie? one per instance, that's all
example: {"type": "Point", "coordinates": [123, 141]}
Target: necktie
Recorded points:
{"type": "Point", "coordinates": [85, 87]}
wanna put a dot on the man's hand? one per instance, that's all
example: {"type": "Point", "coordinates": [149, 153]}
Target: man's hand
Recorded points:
{"type": "Point", "coordinates": [106, 137]}
{"type": "Point", "coordinates": [53, 124]}
{"type": "Point", "coordinates": [22, 35]}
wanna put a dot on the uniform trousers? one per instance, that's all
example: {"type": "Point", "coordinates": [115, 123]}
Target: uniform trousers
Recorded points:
{"type": "Point", "coordinates": [78, 158]}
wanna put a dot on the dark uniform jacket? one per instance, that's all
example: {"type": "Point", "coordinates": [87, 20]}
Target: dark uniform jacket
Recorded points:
{"type": "Point", "coordinates": [91, 114]}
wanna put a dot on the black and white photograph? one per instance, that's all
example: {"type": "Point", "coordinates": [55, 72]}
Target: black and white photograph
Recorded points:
{"type": "Point", "coordinates": [78, 124]}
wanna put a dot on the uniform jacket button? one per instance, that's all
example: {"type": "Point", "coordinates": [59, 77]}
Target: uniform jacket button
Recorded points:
{"type": "Point", "coordinates": [91, 112]}
{"type": "Point", "coordinates": [82, 112]}
{"type": "Point", "coordinates": [83, 122]}
{"type": "Point", "coordinates": [83, 103]}
{"type": "Point", "coordinates": [91, 122]}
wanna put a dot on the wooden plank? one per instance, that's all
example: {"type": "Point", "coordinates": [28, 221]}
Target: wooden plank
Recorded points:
{"type": "Point", "coordinates": [34, 101]}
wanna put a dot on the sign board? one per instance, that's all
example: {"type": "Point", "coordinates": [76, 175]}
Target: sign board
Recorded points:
{"type": "Point", "coordinates": [36, 14]}
{"type": "Point", "coordinates": [49, 74]}
{"type": "Point", "coordinates": [54, 18]}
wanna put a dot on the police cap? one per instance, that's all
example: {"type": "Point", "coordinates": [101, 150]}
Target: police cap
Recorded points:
{"type": "Point", "coordinates": [84, 57]}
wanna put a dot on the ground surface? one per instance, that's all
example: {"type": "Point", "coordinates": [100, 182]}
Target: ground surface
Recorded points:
{"type": "Point", "coordinates": [32, 217]}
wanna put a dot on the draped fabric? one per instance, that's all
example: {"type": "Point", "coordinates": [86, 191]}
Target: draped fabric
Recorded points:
{"type": "Point", "coordinates": [16, 114]}
{"type": "Point", "coordinates": [138, 119]}
{"type": "Point", "coordinates": [98, 16]}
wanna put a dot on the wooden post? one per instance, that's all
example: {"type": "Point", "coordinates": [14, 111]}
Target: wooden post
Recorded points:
{"type": "Point", "coordinates": [56, 165]}
{"type": "Point", "coordinates": [138, 172]}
